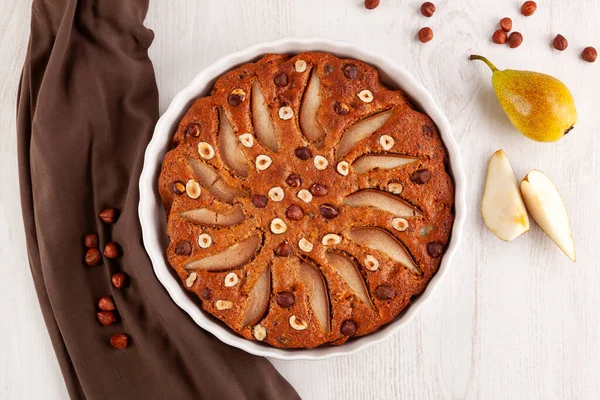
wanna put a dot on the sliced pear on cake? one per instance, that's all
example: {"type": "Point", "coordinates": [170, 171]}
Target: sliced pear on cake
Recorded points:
{"type": "Point", "coordinates": [502, 206]}
{"type": "Point", "coordinates": [546, 206]}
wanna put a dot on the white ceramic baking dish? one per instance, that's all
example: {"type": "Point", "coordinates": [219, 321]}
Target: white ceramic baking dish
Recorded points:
{"type": "Point", "coordinates": [152, 215]}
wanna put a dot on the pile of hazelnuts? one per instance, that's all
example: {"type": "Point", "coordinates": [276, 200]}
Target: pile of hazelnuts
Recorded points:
{"type": "Point", "coordinates": [515, 39]}
{"type": "Point", "coordinates": [106, 316]}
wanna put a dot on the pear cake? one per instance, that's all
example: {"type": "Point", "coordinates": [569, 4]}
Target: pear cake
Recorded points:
{"type": "Point", "coordinates": [307, 203]}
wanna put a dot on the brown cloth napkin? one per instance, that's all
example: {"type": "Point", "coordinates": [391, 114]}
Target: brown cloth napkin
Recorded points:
{"type": "Point", "coordinates": [87, 106]}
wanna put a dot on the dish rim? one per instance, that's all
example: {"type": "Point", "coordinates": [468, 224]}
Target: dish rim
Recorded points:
{"type": "Point", "coordinates": [150, 205]}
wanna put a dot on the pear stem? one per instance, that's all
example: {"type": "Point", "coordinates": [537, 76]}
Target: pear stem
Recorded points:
{"type": "Point", "coordinates": [485, 60]}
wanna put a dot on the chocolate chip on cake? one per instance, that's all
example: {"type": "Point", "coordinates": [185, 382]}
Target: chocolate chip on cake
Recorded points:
{"type": "Point", "coordinates": [340, 108]}
{"type": "Point", "coordinates": [384, 292]}
{"type": "Point", "coordinates": [236, 97]}
{"type": "Point", "coordinates": [280, 79]}
{"type": "Point", "coordinates": [91, 240]}
{"type": "Point", "coordinates": [284, 249]}
{"type": "Point", "coordinates": [350, 71]}
{"type": "Point", "coordinates": [177, 187]}
{"type": "Point", "coordinates": [93, 257]}
{"type": "Point", "coordinates": [327, 69]}
{"type": "Point", "coordinates": [294, 212]}
{"type": "Point", "coordinates": [193, 129]}
{"type": "Point", "coordinates": [294, 180]}
{"type": "Point", "coordinates": [303, 153]}
{"type": "Point", "coordinates": [348, 327]}
{"type": "Point", "coordinates": [318, 189]}
{"type": "Point", "coordinates": [420, 176]}
{"type": "Point", "coordinates": [183, 248]}
{"type": "Point", "coordinates": [427, 130]}
{"type": "Point", "coordinates": [285, 299]}
{"type": "Point", "coordinates": [328, 211]}
{"type": "Point", "coordinates": [435, 249]}
{"type": "Point", "coordinates": [206, 294]}
{"type": "Point", "coordinates": [259, 200]}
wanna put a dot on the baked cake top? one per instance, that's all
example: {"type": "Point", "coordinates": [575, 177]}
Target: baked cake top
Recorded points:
{"type": "Point", "coordinates": [306, 202]}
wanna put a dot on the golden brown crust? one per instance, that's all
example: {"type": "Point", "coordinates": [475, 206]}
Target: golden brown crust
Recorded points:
{"type": "Point", "coordinates": [430, 194]}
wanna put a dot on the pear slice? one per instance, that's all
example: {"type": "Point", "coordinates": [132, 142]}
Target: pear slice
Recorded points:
{"type": "Point", "coordinates": [502, 206]}
{"type": "Point", "coordinates": [351, 275]}
{"type": "Point", "coordinates": [206, 216]}
{"type": "Point", "coordinates": [259, 299]}
{"type": "Point", "coordinates": [210, 179]}
{"type": "Point", "coordinates": [308, 111]}
{"type": "Point", "coordinates": [232, 257]}
{"type": "Point", "coordinates": [228, 147]}
{"type": "Point", "coordinates": [383, 201]}
{"type": "Point", "coordinates": [546, 206]}
{"type": "Point", "coordinates": [361, 130]}
{"type": "Point", "coordinates": [261, 120]}
{"type": "Point", "coordinates": [312, 278]}
{"type": "Point", "coordinates": [380, 240]}
{"type": "Point", "coordinates": [370, 162]}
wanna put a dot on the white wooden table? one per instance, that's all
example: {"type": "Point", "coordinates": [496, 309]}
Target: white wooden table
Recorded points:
{"type": "Point", "coordinates": [510, 321]}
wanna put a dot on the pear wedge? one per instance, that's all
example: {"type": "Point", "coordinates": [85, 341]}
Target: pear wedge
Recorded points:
{"type": "Point", "coordinates": [502, 206]}
{"type": "Point", "coordinates": [546, 206]}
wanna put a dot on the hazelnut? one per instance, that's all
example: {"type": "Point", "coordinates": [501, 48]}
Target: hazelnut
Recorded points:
{"type": "Point", "coordinates": [365, 95]}
{"type": "Point", "coordinates": [111, 250]}
{"type": "Point", "coordinates": [280, 79]}
{"type": "Point", "coordinates": [400, 224]}
{"type": "Point", "coordinates": [318, 189]}
{"type": "Point", "coordinates": [106, 303]}
{"type": "Point", "coordinates": [231, 279]}
{"type": "Point", "coordinates": [328, 211]}
{"type": "Point", "coordinates": [276, 193]}
{"type": "Point", "coordinates": [348, 327]}
{"type": "Point", "coordinates": [386, 141]}
{"type": "Point", "coordinates": [293, 180]}
{"type": "Point", "coordinates": [298, 324]}
{"type": "Point", "coordinates": [371, 4]}
{"type": "Point", "coordinates": [93, 257]}
{"type": "Point", "coordinates": [183, 248]}
{"type": "Point", "coordinates": [320, 163]}
{"type": "Point", "coordinates": [286, 113]}
{"type": "Point", "coordinates": [515, 39]}
{"type": "Point", "coordinates": [119, 280]}
{"type": "Point", "coordinates": [91, 240]}
{"type": "Point", "coordinates": [305, 245]}
{"type": "Point", "coordinates": [394, 187]}
{"type": "Point", "coordinates": [506, 24]}
{"type": "Point", "coordinates": [283, 250]}
{"type": "Point", "coordinates": [193, 189]}
{"type": "Point", "coordinates": [435, 249]}
{"type": "Point", "coordinates": [300, 65]}
{"type": "Point", "coordinates": [177, 187]}
{"type": "Point", "coordinates": [236, 97]}
{"type": "Point", "coordinates": [499, 37]}
{"type": "Point", "coordinates": [427, 9]}
{"type": "Point", "coordinates": [246, 139]}
{"type": "Point", "coordinates": [528, 8]}
{"type": "Point", "coordinates": [425, 34]}
{"type": "Point", "coordinates": [259, 200]}
{"type": "Point", "coordinates": [420, 176]}
{"type": "Point", "coordinates": [384, 292]}
{"type": "Point", "coordinates": [343, 168]}
{"type": "Point", "coordinates": [206, 150]}
{"type": "Point", "coordinates": [294, 212]}
{"type": "Point", "coordinates": [285, 299]}
{"type": "Point", "coordinates": [331, 239]}
{"type": "Point", "coordinates": [193, 129]}
{"type": "Point", "coordinates": [340, 108]}
{"type": "Point", "coordinates": [303, 153]}
{"type": "Point", "coordinates": [108, 215]}
{"type": "Point", "coordinates": [191, 279]}
{"type": "Point", "coordinates": [106, 318]}
{"type": "Point", "coordinates": [589, 54]}
{"type": "Point", "coordinates": [223, 305]}
{"type": "Point", "coordinates": [263, 162]}
{"type": "Point", "coordinates": [204, 240]}
{"type": "Point", "coordinates": [560, 43]}
{"type": "Point", "coordinates": [350, 70]}
{"type": "Point", "coordinates": [259, 332]}
{"type": "Point", "coordinates": [119, 340]}
{"type": "Point", "coordinates": [371, 263]}
{"type": "Point", "coordinates": [305, 196]}
{"type": "Point", "coordinates": [278, 226]}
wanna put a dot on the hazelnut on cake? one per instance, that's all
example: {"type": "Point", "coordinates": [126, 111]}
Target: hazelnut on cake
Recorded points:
{"type": "Point", "coordinates": [307, 202]}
